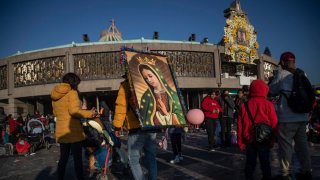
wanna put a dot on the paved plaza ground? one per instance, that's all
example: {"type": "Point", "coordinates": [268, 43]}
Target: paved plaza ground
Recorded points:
{"type": "Point", "coordinates": [198, 163]}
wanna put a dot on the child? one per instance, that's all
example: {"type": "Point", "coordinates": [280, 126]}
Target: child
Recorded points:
{"type": "Point", "coordinates": [22, 146]}
{"type": "Point", "coordinates": [261, 109]}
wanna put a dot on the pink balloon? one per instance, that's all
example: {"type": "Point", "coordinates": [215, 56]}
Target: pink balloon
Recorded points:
{"type": "Point", "coordinates": [195, 116]}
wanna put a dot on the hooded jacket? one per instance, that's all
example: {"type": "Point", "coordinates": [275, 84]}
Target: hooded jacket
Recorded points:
{"type": "Point", "coordinates": [67, 109]}
{"type": "Point", "coordinates": [261, 109]}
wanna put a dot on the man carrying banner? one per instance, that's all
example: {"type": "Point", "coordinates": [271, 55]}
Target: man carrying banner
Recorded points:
{"type": "Point", "coordinates": [137, 139]}
{"type": "Point", "coordinates": [147, 101]}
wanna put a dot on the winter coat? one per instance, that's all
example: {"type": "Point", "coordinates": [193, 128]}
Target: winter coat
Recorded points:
{"type": "Point", "coordinates": [13, 125]}
{"type": "Point", "coordinates": [238, 102]}
{"type": "Point", "coordinates": [208, 105]}
{"type": "Point", "coordinates": [123, 111]}
{"type": "Point", "coordinates": [67, 109]}
{"type": "Point", "coordinates": [227, 105]}
{"type": "Point", "coordinates": [261, 109]}
{"type": "Point", "coordinates": [22, 146]}
{"type": "Point", "coordinates": [283, 82]}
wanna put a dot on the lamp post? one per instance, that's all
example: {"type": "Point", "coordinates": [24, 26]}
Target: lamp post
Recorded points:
{"type": "Point", "coordinates": [219, 84]}
{"type": "Point", "coordinates": [259, 69]}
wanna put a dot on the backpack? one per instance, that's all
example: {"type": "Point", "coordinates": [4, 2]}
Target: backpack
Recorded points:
{"type": "Point", "coordinates": [301, 98]}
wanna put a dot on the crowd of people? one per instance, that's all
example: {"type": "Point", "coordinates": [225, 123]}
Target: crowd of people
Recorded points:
{"type": "Point", "coordinates": [13, 128]}
{"type": "Point", "coordinates": [254, 110]}
{"type": "Point", "coordinates": [228, 122]}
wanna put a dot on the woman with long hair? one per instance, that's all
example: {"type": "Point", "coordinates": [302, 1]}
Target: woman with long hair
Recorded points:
{"type": "Point", "coordinates": [69, 131]}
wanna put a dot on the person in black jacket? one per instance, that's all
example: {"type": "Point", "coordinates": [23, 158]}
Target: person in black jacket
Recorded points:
{"type": "Point", "coordinates": [227, 105]}
{"type": "Point", "coordinates": [241, 98]}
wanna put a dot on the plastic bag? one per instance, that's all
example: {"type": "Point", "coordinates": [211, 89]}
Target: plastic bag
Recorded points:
{"type": "Point", "coordinates": [234, 137]}
{"type": "Point", "coordinates": [163, 143]}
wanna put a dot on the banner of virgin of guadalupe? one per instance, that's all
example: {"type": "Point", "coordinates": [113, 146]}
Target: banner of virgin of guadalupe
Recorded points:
{"type": "Point", "coordinates": [153, 86]}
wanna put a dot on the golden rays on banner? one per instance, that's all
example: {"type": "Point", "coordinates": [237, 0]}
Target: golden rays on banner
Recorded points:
{"type": "Point", "coordinates": [151, 80]}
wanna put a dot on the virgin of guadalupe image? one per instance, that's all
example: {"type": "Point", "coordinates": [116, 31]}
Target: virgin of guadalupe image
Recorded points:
{"type": "Point", "coordinates": [159, 104]}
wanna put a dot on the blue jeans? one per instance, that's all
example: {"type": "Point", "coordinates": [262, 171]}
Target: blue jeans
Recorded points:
{"type": "Point", "coordinates": [137, 142]}
{"type": "Point", "coordinates": [252, 151]}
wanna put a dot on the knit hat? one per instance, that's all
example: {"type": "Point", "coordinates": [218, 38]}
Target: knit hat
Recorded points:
{"type": "Point", "coordinates": [287, 56]}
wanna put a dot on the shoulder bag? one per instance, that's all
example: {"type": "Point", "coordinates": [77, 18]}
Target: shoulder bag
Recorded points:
{"type": "Point", "coordinates": [262, 131]}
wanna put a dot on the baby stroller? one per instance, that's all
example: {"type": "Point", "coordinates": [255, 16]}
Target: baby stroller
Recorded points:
{"type": "Point", "coordinates": [36, 135]}
{"type": "Point", "coordinates": [101, 143]}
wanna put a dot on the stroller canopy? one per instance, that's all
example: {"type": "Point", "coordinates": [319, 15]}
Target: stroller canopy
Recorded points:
{"type": "Point", "coordinates": [35, 126]}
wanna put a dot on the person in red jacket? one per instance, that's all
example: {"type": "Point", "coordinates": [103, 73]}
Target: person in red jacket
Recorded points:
{"type": "Point", "coordinates": [13, 124]}
{"type": "Point", "coordinates": [261, 110]}
{"type": "Point", "coordinates": [211, 109]}
{"type": "Point", "coordinates": [22, 146]}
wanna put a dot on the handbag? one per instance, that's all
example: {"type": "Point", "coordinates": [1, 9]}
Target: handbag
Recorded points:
{"type": "Point", "coordinates": [262, 131]}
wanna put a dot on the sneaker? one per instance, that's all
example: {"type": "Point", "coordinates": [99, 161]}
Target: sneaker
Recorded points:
{"type": "Point", "coordinates": [175, 160]}
{"type": "Point", "coordinates": [212, 148]}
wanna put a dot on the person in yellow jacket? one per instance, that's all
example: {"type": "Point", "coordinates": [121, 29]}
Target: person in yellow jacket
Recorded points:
{"type": "Point", "coordinates": [69, 131]}
{"type": "Point", "coordinates": [138, 140]}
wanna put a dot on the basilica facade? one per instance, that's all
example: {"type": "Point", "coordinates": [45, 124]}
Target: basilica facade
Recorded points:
{"type": "Point", "coordinates": [27, 78]}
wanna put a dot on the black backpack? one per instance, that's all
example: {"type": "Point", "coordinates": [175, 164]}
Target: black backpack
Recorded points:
{"type": "Point", "coordinates": [301, 98]}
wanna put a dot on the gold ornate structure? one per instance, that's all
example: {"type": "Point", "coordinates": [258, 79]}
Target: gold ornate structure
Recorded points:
{"type": "Point", "coordinates": [240, 39]}
{"type": "Point", "coordinates": [40, 71]}
{"type": "Point", "coordinates": [98, 65]}
{"type": "Point", "coordinates": [106, 65]}
{"type": "Point", "coordinates": [191, 64]}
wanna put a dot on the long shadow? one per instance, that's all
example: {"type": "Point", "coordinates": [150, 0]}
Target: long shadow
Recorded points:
{"type": "Point", "coordinates": [46, 174]}
{"type": "Point", "coordinates": [199, 163]}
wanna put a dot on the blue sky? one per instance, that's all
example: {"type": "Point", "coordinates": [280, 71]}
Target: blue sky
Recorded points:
{"type": "Point", "coordinates": [281, 25]}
